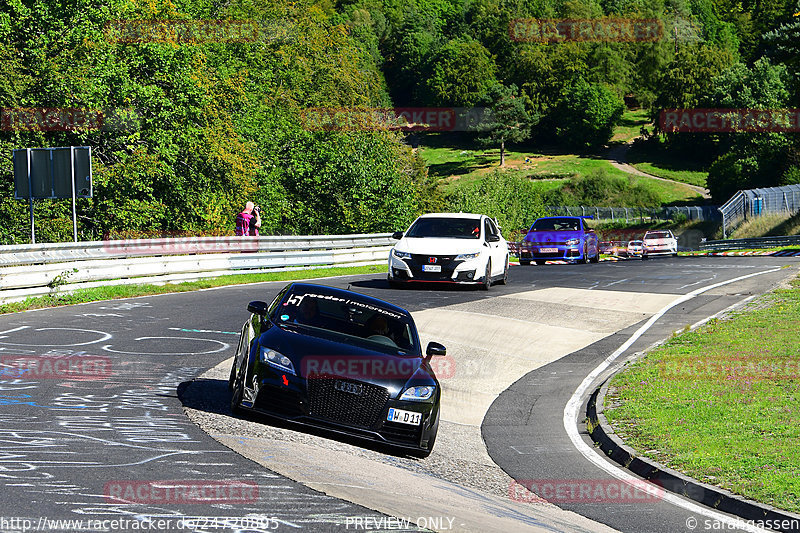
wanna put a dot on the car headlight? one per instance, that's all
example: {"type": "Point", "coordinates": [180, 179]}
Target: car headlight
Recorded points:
{"type": "Point", "coordinates": [401, 255]}
{"type": "Point", "coordinates": [573, 242]}
{"type": "Point", "coordinates": [418, 394]}
{"type": "Point", "coordinates": [466, 257]}
{"type": "Point", "coordinates": [277, 359]}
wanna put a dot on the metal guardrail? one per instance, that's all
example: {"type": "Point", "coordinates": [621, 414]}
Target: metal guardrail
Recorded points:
{"type": "Point", "coordinates": [38, 269]}
{"type": "Point", "coordinates": [756, 242]}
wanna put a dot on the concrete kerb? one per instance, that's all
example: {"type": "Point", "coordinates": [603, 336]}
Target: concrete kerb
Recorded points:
{"type": "Point", "coordinates": [720, 499]}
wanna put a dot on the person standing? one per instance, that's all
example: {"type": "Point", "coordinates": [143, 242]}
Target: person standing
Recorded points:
{"type": "Point", "coordinates": [248, 223]}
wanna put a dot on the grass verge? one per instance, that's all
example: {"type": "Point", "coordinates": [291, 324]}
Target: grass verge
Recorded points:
{"type": "Point", "coordinates": [654, 159]}
{"type": "Point", "coordinates": [112, 292]}
{"type": "Point", "coordinates": [630, 125]}
{"type": "Point", "coordinates": [768, 225]}
{"type": "Point", "coordinates": [720, 403]}
{"type": "Point", "coordinates": [455, 167]}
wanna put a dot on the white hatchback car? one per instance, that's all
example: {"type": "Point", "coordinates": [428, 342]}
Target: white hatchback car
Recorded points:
{"type": "Point", "coordinates": [659, 242]}
{"type": "Point", "coordinates": [450, 248]}
{"type": "Point", "coordinates": [634, 248]}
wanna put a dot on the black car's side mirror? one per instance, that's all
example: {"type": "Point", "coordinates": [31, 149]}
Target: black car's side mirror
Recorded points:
{"type": "Point", "coordinates": [397, 235]}
{"type": "Point", "coordinates": [257, 307]}
{"type": "Point", "coordinates": [434, 348]}
{"type": "Point", "coordinates": [493, 238]}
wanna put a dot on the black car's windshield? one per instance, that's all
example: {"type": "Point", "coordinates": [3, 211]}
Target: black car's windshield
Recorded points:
{"type": "Point", "coordinates": [459, 228]}
{"type": "Point", "coordinates": [556, 224]}
{"type": "Point", "coordinates": [361, 321]}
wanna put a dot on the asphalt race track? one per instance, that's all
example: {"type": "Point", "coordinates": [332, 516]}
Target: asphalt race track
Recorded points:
{"type": "Point", "coordinates": [104, 434]}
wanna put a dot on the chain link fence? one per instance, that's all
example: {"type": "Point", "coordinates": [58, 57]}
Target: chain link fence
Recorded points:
{"type": "Point", "coordinates": [641, 214]}
{"type": "Point", "coordinates": [752, 203]}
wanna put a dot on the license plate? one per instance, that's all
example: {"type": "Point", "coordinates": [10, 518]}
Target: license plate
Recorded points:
{"type": "Point", "coordinates": [412, 418]}
{"type": "Point", "coordinates": [345, 386]}
{"type": "Point", "coordinates": [431, 268]}
{"type": "Point", "coordinates": [548, 250]}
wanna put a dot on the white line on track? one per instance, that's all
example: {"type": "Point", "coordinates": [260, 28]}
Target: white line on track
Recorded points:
{"type": "Point", "coordinates": [575, 402]}
{"type": "Point", "coordinates": [695, 283]}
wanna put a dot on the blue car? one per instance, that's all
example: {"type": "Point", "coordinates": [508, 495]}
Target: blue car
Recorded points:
{"type": "Point", "coordinates": [560, 239]}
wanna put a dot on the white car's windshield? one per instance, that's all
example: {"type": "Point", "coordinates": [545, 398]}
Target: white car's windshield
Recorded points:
{"type": "Point", "coordinates": [459, 228]}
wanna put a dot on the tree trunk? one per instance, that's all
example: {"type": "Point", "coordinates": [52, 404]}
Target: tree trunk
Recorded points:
{"type": "Point", "coordinates": [502, 153]}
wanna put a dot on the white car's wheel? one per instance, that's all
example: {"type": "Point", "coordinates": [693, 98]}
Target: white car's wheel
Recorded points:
{"type": "Point", "coordinates": [487, 277]}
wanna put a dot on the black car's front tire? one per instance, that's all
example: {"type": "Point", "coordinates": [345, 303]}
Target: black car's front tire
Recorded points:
{"type": "Point", "coordinates": [237, 391]}
{"type": "Point", "coordinates": [232, 377]}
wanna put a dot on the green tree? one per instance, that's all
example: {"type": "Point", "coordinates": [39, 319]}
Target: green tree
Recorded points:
{"type": "Point", "coordinates": [750, 159]}
{"type": "Point", "coordinates": [587, 115]}
{"type": "Point", "coordinates": [509, 120]}
{"type": "Point", "coordinates": [461, 73]}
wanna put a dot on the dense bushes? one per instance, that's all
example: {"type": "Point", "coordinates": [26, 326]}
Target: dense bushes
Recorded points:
{"type": "Point", "coordinates": [602, 189]}
{"type": "Point", "coordinates": [512, 200]}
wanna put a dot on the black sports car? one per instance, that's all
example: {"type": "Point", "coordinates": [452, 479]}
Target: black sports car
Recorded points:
{"type": "Point", "coordinates": [340, 360]}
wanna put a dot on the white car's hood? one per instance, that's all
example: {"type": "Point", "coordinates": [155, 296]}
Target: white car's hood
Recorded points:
{"type": "Point", "coordinates": [436, 246]}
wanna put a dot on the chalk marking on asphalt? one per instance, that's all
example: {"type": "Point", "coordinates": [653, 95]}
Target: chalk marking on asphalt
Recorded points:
{"type": "Point", "coordinates": [224, 346]}
{"type": "Point", "coordinates": [574, 404]}
{"type": "Point", "coordinates": [103, 337]}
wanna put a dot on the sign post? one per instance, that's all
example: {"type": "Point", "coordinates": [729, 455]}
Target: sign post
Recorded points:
{"type": "Point", "coordinates": [72, 182]}
{"type": "Point", "coordinates": [53, 173]}
{"type": "Point", "coordinates": [30, 196]}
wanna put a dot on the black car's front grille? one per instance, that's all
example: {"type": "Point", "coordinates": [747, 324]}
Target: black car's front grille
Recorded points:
{"type": "Point", "coordinates": [360, 409]}
{"type": "Point", "coordinates": [401, 433]}
{"type": "Point", "coordinates": [279, 401]}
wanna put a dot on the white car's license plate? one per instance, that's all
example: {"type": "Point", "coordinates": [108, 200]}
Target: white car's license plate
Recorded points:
{"type": "Point", "coordinates": [411, 418]}
{"type": "Point", "coordinates": [548, 250]}
{"type": "Point", "coordinates": [431, 268]}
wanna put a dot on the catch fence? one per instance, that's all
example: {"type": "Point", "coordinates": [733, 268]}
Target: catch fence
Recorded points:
{"type": "Point", "coordinates": [752, 203]}
{"type": "Point", "coordinates": [642, 214]}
